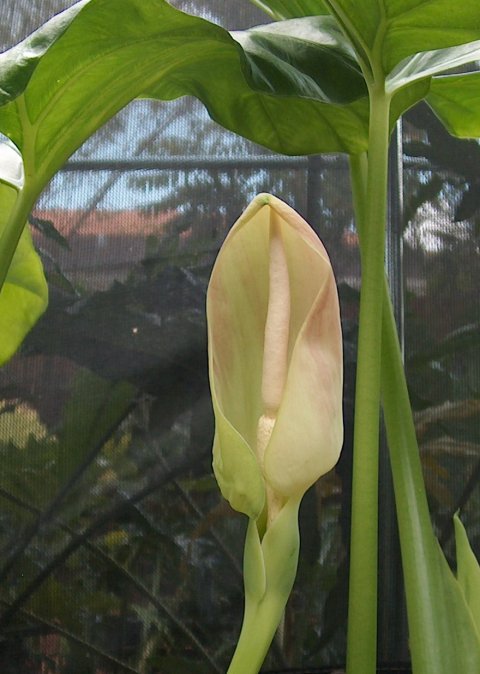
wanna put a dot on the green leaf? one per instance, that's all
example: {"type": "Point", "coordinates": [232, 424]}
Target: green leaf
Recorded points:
{"type": "Point", "coordinates": [406, 27]}
{"type": "Point", "coordinates": [81, 68]}
{"type": "Point", "coordinates": [23, 299]}
{"type": "Point", "coordinates": [311, 58]}
{"type": "Point", "coordinates": [443, 636]}
{"type": "Point", "coordinates": [430, 63]}
{"type": "Point", "coordinates": [456, 101]}
{"type": "Point", "coordinates": [406, 98]}
{"type": "Point", "coordinates": [306, 57]}
{"type": "Point", "coordinates": [468, 571]}
{"type": "Point", "coordinates": [98, 64]}
{"type": "Point", "coordinates": [24, 295]}
{"type": "Point", "coordinates": [18, 64]}
{"type": "Point", "coordinates": [407, 42]}
{"type": "Point", "coordinates": [414, 27]}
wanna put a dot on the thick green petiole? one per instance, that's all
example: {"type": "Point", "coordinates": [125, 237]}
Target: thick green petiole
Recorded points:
{"type": "Point", "coordinates": [371, 201]}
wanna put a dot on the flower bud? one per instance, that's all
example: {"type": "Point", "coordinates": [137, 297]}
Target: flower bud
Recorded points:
{"type": "Point", "coordinates": [275, 359]}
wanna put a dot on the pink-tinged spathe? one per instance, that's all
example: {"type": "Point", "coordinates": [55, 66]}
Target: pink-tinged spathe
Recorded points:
{"type": "Point", "coordinates": [275, 359]}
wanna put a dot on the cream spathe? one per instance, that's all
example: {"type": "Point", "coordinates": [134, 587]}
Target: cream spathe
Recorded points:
{"type": "Point", "coordinates": [275, 359]}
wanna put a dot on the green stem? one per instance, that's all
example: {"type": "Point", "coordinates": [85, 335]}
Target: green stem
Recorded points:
{"type": "Point", "coordinates": [270, 567]}
{"type": "Point", "coordinates": [258, 630]}
{"type": "Point", "coordinates": [362, 614]}
{"type": "Point", "coordinates": [13, 227]}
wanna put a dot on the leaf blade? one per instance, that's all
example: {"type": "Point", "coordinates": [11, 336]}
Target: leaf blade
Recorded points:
{"type": "Point", "coordinates": [24, 294]}
{"type": "Point", "coordinates": [415, 27]}
{"type": "Point", "coordinates": [23, 298]}
{"type": "Point", "coordinates": [455, 99]}
{"type": "Point", "coordinates": [18, 64]}
{"type": "Point", "coordinates": [95, 67]}
{"type": "Point", "coordinates": [407, 27]}
{"type": "Point", "coordinates": [468, 571]}
{"type": "Point", "coordinates": [307, 57]}
{"type": "Point", "coordinates": [426, 64]}
{"type": "Point", "coordinates": [443, 637]}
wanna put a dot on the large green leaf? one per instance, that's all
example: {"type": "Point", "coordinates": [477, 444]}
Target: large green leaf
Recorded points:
{"type": "Point", "coordinates": [409, 42]}
{"type": "Point", "coordinates": [17, 64]}
{"type": "Point", "coordinates": [468, 571]}
{"type": "Point", "coordinates": [430, 63]}
{"type": "Point", "coordinates": [24, 295]}
{"type": "Point", "coordinates": [97, 64]}
{"type": "Point", "coordinates": [67, 79]}
{"type": "Point", "coordinates": [414, 27]}
{"type": "Point", "coordinates": [416, 77]}
{"type": "Point", "coordinates": [84, 66]}
{"type": "Point", "coordinates": [296, 88]}
{"type": "Point", "coordinates": [456, 101]}
{"type": "Point", "coordinates": [443, 636]}
{"type": "Point", "coordinates": [396, 29]}
{"type": "Point", "coordinates": [308, 57]}
{"type": "Point", "coordinates": [311, 57]}
{"type": "Point", "coordinates": [23, 298]}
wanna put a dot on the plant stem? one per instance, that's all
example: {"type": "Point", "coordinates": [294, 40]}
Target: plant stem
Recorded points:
{"type": "Point", "coordinates": [270, 567]}
{"type": "Point", "coordinates": [13, 228]}
{"type": "Point", "coordinates": [362, 614]}
{"type": "Point", "coordinates": [259, 626]}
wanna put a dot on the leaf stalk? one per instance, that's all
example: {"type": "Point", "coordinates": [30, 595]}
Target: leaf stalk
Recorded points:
{"type": "Point", "coordinates": [371, 205]}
